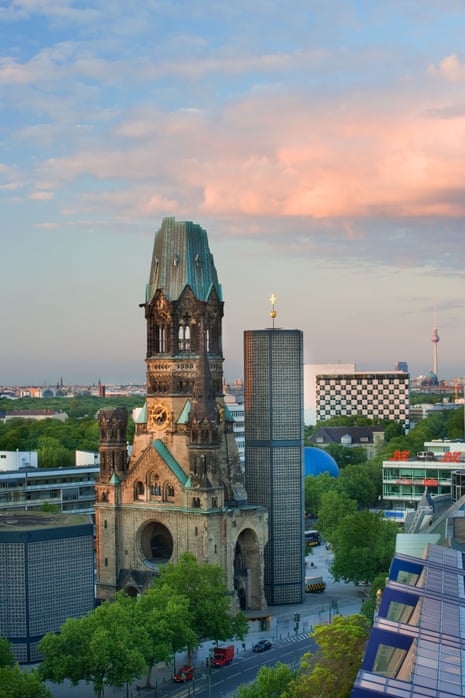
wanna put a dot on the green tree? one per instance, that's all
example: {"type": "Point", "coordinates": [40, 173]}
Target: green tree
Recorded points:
{"type": "Point", "coordinates": [15, 683]}
{"type": "Point", "coordinates": [53, 455]}
{"type": "Point", "coordinates": [204, 585]}
{"type": "Point", "coordinates": [163, 621]}
{"type": "Point", "coordinates": [102, 648]}
{"type": "Point", "coordinates": [331, 671]}
{"type": "Point", "coordinates": [334, 507]}
{"type": "Point", "coordinates": [270, 682]}
{"type": "Point", "coordinates": [363, 545]}
{"type": "Point", "coordinates": [358, 483]}
{"type": "Point", "coordinates": [6, 653]}
{"type": "Point", "coordinates": [315, 488]}
{"type": "Point", "coordinates": [344, 456]}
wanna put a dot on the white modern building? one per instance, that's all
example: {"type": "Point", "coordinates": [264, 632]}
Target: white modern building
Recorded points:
{"type": "Point", "coordinates": [406, 476]}
{"type": "Point", "coordinates": [311, 371]}
{"type": "Point", "coordinates": [237, 412]}
{"type": "Point", "coordinates": [17, 460]}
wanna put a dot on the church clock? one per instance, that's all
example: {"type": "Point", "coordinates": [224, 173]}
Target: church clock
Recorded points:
{"type": "Point", "coordinates": [159, 416]}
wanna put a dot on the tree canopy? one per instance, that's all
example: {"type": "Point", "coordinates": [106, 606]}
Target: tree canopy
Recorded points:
{"type": "Point", "coordinates": [270, 682]}
{"type": "Point", "coordinates": [332, 669]}
{"type": "Point", "coordinates": [15, 683]}
{"type": "Point", "coordinates": [205, 588]}
{"type": "Point", "coordinates": [101, 648]}
{"type": "Point", "coordinates": [363, 545]}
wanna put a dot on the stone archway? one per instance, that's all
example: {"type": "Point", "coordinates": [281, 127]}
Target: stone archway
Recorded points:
{"type": "Point", "coordinates": [247, 570]}
{"type": "Point", "coordinates": [156, 543]}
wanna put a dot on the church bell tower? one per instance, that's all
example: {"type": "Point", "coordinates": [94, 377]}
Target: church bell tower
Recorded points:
{"type": "Point", "coordinates": [182, 489]}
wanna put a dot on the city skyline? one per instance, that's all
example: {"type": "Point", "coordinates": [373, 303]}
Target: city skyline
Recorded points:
{"type": "Point", "coordinates": [322, 150]}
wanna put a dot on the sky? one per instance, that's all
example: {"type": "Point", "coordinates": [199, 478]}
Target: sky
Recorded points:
{"type": "Point", "coordinates": [321, 145]}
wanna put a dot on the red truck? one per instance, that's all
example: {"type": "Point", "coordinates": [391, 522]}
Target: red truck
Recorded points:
{"type": "Point", "coordinates": [222, 655]}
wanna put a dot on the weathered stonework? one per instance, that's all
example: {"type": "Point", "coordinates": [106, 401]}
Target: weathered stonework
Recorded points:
{"type": "Point", "coordinates": [182, 489]}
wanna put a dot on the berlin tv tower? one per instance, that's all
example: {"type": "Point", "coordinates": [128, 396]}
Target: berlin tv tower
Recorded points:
{"type": "Point", "coordinates": [435, 340]}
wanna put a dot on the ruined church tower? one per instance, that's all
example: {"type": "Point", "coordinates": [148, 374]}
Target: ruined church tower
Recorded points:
{"type": "Point", "coordinates": [182, 489]}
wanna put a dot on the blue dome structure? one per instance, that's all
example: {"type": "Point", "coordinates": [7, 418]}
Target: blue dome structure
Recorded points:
{"type": "Point", "coordinates": [317, 461]}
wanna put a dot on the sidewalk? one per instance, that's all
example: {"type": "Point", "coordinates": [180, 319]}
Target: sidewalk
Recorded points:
{"type": "Point", "coordinates": [317, 609]}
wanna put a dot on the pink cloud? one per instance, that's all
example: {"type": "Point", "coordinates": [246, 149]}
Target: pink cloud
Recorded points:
{"type": "Point", "coordinates": [273, 154]}
{"type": "Point", "coordinates": [450, 68]}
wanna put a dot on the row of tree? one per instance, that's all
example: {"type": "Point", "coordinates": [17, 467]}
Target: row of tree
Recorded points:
{"type": "Point", "coordinates": [119, 641]}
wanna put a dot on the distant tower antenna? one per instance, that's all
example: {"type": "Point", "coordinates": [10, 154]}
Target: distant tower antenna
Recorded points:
{"type": "Point", "coordinates": [435, 340]}
{"type": "Point", "coordinates": [273, 312]}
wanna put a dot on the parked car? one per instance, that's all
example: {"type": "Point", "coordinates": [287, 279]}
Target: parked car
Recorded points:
{"type": "Point", "coordinates": [262, 646]}
{"type": "Point", "coordinates": [185, 673]}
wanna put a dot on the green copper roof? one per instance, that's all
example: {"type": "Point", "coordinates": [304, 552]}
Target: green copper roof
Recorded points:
{"type": "Point", "coordinates": [181, 257]}
{"type": "Point", "coordinates": [142, 416]}
{"type": "Point", "coordinates": [170, 461]}
{"type": "Point", "coordinates": [184, 416]}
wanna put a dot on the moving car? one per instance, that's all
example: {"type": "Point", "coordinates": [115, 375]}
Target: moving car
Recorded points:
{"type": "Point", "coordinates": [185, 673]}
{"type": "Point", "coordinates": [262, 646]}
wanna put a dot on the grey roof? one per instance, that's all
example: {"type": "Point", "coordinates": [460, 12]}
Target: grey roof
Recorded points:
{"type": "Point", "coordinates": [181, 257]}
{"type": "Point", "coordinates": [335, 434]}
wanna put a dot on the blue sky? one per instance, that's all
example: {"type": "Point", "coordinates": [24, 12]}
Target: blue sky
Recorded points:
{"type": "Point", "coordinates": [322, 146]}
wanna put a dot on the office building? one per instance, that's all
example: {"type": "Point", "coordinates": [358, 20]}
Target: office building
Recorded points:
{"type": "Point", "coordinates": [375, 394]}
{"type": "Point", "coordinates": [273, 382]}
{"type": "Point", "coordinates": [405, 477]}
{"type": "Point", "coordinates": [46, 576]}
{"type": "Point", "coordinates": [182, 488]}
{"type": "Point", "coordinates": [71, 490]}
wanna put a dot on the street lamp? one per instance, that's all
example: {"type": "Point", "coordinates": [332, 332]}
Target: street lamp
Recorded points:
{"type": "Point", "coordinates": [296, 628]}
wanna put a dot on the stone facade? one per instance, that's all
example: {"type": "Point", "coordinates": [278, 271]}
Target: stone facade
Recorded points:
{"type": "Point", "coordinates": [182, 488]}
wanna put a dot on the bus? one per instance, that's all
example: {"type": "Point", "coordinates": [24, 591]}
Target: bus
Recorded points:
{"type": "Point", "coordinates": [312, 538]}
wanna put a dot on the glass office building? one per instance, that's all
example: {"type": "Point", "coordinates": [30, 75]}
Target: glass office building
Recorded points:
{"type": "Point", "coordinates": [273, 400]}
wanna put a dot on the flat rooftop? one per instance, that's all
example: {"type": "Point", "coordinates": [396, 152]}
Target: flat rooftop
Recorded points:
{"type": "Point", "coordinates": [25, 520]}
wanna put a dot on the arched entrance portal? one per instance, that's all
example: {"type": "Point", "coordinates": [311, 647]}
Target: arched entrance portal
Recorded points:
{"type": "Point", "coordinates": [247, 571]}
{"type": "Point", "coordinates": [156, 543]}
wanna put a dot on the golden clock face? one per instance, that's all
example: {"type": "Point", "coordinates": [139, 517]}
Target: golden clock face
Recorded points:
{"type": "Point", "coordinates": [159, 416]}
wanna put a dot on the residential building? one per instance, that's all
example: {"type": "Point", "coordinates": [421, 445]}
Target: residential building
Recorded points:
{"type": "Point", "coordinates": [371, 439]}
{"type": "Point", "coordinates": [46, 576]}
{"type": "Point", "coordinates": [35, 414]}
{"type": "Point", "coordinates": [273, 382]}
{"type": "Point", "coordinates": [182, 488]}
{"type": "Point", "coordinates": [376, 395]}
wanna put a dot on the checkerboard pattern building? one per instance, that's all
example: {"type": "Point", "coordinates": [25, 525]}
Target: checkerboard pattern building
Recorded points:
{"type": "Point", "coordinates": [383, 395]}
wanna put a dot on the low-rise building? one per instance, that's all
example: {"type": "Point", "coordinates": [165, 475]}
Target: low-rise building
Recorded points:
{"type": "Point", "coordinates": [369, 438]}
{"type": "Point", "coordinates": [70, 489]}
{"type": "Point", "coordinates": [405, 478]}
{"type": "Point", "coordinates": [46, 576]}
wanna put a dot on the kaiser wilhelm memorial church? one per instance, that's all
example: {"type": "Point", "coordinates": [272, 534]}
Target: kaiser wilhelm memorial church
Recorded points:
{"type": "Point", "coordinates": [182, 488]}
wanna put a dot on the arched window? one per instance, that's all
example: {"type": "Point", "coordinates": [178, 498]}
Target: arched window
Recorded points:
{"type": "Point", "coordinates": [139, 490]}
{"type": "Point", "coordinates": [184, 338]}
